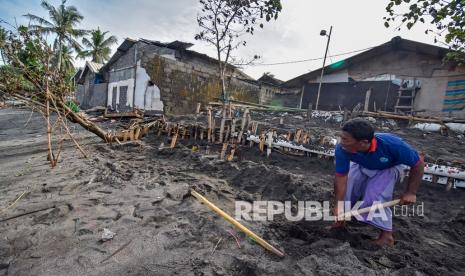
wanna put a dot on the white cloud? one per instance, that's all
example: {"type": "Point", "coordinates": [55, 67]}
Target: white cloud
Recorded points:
{"type": "Point", "coordinates": [294, 36]}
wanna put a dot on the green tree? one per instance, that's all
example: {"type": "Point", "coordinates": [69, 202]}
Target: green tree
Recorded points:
{"type": "Point", "coordinates": [446, 15]}
{"type": "Point", "coordinates": [63, 23]}
{"type": "Point", "coordinates": [98, 46]}
{"type": "Point", "coordinates": [2, 43]}
{"type": "Point", "coordinates": [66, 59]}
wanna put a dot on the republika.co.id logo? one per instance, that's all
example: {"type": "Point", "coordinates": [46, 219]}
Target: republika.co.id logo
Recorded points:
{"type": "Point", "coordinates": [315, 210]}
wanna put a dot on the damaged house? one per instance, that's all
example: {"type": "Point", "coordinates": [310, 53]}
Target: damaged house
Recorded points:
{"type": "Point", "coordinates": [91, 90]}
{"type": "Point", "coordinates": [401, 75]}
{"type": "Point", "coordinates": [168, 77]}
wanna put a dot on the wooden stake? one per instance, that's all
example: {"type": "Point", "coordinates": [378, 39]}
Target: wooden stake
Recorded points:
{"type": "Point", "coordinates": [233, 150]}
{"type": "Point", "coordinates": [243, 124]}
{"type": "Point", "coordinates": [131, 134]}
{"type": "Point", "coordinates": [262, 142]}
{"type": "Point", "coordinates": [213, 131]}
{"type": "Point", "coordinates": [173, 140]}
{"type": "Point", "coordinates": [222, 128]}
{"type": "Point", "coordinates": [269, 143]}
{"type": "Point", "coordinates": [223, 150]}
{"type": "Point", "coordinates": [137, 134]}
{"type": "Point", "coordinates": [209, 133]}
{"type": "Point", "coordinates": [297, 135]}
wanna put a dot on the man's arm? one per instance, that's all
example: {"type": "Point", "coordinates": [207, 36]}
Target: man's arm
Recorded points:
{"type": "Point", "coordinates": [340, 187]}
{"type": "Point", "coordinates": [414, 180]}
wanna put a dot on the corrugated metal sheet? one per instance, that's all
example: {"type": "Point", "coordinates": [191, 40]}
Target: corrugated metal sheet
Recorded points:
{"type": "Point", "coordinates": [93, 66]}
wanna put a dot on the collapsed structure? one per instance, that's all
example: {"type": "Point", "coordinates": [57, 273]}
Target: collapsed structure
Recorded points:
{"type": "Point", "coordinates": [400, 75]}
{"type": "Point", "coordinates": [155, 76]}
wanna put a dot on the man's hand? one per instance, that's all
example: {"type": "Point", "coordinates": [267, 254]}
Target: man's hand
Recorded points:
{"type": "Point", "coordinates": [338, 224]}
{"type": "Point", "coordinates": [337, 212]}
{"type": "Point", "coordinates": [408, 198]}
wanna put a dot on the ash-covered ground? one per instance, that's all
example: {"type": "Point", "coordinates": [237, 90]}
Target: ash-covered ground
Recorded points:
{"type": "Point", "coordinates": [141, 193]}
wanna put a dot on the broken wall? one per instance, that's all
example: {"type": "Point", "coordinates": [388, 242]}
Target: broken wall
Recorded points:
{"type": "Point", "coordinates": [183, 85]}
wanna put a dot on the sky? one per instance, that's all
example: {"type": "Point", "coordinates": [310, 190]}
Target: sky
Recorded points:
{"type": "Point", "coordinates": [295, 35]}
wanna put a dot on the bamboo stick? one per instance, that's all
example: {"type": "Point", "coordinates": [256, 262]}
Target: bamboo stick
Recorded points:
{"type": "Point", "coordinates": [209, 124]}
{"type": "Point", "coordinates": [243, 124]}
{"type": "Point", "coordinates": [348, 215]}
{"type": "Point", "coordinates": [234, 222]}
{"type": "Point", "coordinates": [223, 151]}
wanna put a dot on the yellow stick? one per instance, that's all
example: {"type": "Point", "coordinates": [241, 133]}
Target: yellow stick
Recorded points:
{"type": "Point", "coordinates": [234, 222]}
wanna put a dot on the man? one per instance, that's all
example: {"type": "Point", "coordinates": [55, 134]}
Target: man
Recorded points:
{"type": "Point", "coordinates": [368, 166]}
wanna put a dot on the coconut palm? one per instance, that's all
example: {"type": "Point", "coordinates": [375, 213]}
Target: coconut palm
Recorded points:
{"type": "Point", "coordinates": [66, 59]}
{"type": "Point", "coordinates": [63, 21]}
{"type": "Point", "coordinates": [98, 47]}
{"type": "Point", "coordinates": [2, 43]}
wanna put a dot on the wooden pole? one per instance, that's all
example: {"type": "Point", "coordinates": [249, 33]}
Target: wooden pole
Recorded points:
{"type": "Point", "coordinates": [209, 133]}
{"type": "Point", "coordinates": [234, 222]}
{"type": "Point", "coordinates": [243, 124]}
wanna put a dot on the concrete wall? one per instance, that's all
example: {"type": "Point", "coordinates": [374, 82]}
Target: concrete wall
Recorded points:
{"type": "Point", "coordinates": [346, 94]}
{"type": "Point", "coordinates": [170, 81]}
{"type": "Point", "coordinates": [182, 85]}
{"type": "Point", "coordinates": [115, 103]}
{"type": "Point", "coordinates": [341, 76]}
{"type": "Point", "coordinates": [400, 64]}
{"type": "Point", "coordinates": [98, 96]}
{"type": "Point", "coordinates": [80, 93]}
{"type": "Point", "coordinates": [289, 99]}
{"type": "Point", "coordinates": [429, 70]}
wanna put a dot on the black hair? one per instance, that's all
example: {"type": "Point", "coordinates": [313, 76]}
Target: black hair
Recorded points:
{"type": "Point", "coordinates": [360, 129]}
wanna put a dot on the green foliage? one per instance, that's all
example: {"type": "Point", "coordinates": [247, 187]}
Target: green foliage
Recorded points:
{"type": "Point", "coordinates": [73, 106]}
{"type": "Point", "coordinates": [63, 21]}
{"type": "Point", "coordinates": [98, 47]}
{"type": "Point", "coordinates": [447, 16]}
{"type": "Point", "coordinates": [12, 79]}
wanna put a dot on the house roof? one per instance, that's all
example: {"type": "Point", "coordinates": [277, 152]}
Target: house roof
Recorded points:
{"type": "Point", "coordinates": [120, 51]}
{"type": "Point", "coordinates": [270, 79]}
{"type": "Point", "coordinates": [94, 66]}
{"type": "Point", "coordinates": [175, 45]}
{"type": "Point", "coordinates": [90, 66]}
{"type": "Point", "coordinates": [397, 43]}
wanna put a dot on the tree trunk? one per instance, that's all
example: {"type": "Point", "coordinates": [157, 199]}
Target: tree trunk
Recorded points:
{"type": "Point", "coordinates": [59, 52]}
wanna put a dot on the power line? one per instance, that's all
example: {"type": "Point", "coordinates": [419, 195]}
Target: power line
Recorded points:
{"type": "Point", "coordinates": [310, 59]}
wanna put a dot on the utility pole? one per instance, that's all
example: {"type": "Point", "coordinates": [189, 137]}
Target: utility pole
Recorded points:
{"type": "Point", "coordinates": [323, 33]}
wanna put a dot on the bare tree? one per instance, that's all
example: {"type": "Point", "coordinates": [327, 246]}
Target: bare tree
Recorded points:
{"type": "Point", "coordinates": [30, 61]}
{"type": "Point", "coordinates": [223, 23]}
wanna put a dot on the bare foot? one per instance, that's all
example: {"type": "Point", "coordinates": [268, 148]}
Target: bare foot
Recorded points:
{"type": "Point", "coordinates": [384, 239]}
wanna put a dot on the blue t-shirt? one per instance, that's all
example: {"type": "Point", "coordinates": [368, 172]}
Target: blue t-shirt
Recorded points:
{"type": "Point", "coordinates": [386, 151]}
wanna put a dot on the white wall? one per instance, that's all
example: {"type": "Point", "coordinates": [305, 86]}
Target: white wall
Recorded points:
{"type": "Point", "coordinates": [129, 83]}
{"type": "Point", "coordinates": [341, 76]}
{"type": "Point", "coordinates": [146, 97]}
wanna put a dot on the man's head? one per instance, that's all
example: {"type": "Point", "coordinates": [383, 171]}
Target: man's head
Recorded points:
{"type": "Point", "coordinates": [357, 135]}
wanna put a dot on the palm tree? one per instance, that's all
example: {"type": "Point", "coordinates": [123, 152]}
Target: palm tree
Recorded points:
{"type": "Point", "coordinates": [62, 23]}
{"type": "Point", "coordinates": [66, 59]}
{"type": "Point", "coordinates": [98, 47]}
{"type": "Point", "coordinates": [2, 43]}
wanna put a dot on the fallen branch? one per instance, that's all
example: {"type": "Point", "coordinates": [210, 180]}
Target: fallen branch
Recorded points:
{"type": "Point", "coordinates": [116, 252]}
{"type": "Point", "coordinates": [27, 213]}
